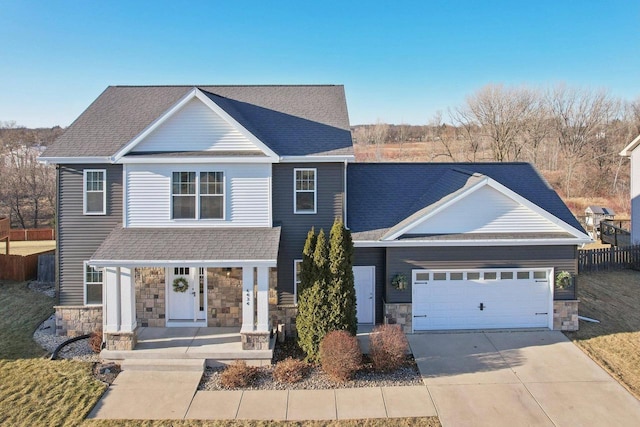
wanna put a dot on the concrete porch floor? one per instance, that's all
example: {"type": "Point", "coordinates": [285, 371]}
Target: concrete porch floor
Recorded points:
{"type": "Point", "coordinates": [214, 345]}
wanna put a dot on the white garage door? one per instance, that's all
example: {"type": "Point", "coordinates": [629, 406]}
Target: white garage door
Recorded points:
{"type": "Point", "coordinates": [481, 299]}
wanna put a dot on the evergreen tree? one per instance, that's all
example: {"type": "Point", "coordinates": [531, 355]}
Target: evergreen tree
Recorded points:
{"type": "Point", "coordinates": [341, 293]}
{"type": "Point", "coordinates": [307, 268]}
{"type": "Point", "coordinates": [312, 321]}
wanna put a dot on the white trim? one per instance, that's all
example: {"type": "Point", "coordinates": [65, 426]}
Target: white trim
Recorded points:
{"type": "Point", "coordinates": [125, 196]}
{"type": "Point", "coordinates": [194, 93]}
{"type": "Point", "coordinates": [295, 280]}
{"type": "Point", "coordinates": [344, 197]}
{"type": "Point", "coordinates": [141, 159]}
{"type": "Point", "coordinates": [470, 242]}
{"type": "Point", "coordinates": [84, 191]}
{"type": "Point", "coordinates": [75, 160]}
{"type": "Point", "coordinates": [626, 151]}
{"type": "Point", "coordinates": [317, 159]}
{"type": "Point", "coordinates": [85, 264]}
{"type": "Point", "coordinates": [184, 263]}
{"type": "Point", "coordinates": [500, 188]}
{"type": "Point", "coordinates": [315, 191]}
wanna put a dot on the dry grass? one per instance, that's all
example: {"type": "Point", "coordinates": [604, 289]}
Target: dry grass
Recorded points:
{"type": "Point", "coordinates": [614, 343]}
{"type": "Point", "coordinates": [28, 248]}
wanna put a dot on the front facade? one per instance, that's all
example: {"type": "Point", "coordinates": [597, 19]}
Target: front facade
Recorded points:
{"type": "Point", "coordinates": [189, 206]}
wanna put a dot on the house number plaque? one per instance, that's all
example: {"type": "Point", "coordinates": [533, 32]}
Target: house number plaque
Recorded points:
{"type": "Point", "coordinates": [247, 297]}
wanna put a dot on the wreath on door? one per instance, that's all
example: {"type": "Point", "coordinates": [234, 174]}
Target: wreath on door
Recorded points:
{"type": "Point", "coordinates": [180, 284]}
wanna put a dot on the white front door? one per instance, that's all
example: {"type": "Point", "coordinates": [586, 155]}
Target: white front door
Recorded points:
{"type": "Point", "coordinates": [364, 280]}
{"type": "Point", "coordinates": [187, 306]}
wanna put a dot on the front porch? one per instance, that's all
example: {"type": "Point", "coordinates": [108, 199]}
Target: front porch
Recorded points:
{"type": "Point", "coordinates": [214, 345]}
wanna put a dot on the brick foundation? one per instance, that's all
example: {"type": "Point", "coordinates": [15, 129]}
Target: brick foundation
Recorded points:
{"type": "Point", "coordinates": [399, 314]}
{"type": "Point", "coordinates": [73, 321]}
{"type": "Point", "coordinates": [565, 315]}
{"type": "Point", "coordinates": [255, 340]}
{"type": "Point", "coordinates": [120, 340]}
{"type": "Point", "coordinates": [150, 296]}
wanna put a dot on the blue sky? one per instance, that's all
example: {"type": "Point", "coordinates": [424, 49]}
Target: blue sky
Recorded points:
{"type": "Point", "coordinates": [400, 61]}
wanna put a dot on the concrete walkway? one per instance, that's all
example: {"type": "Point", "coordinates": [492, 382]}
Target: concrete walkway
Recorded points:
{"type": "Point", "coordinates": [154, 395]}
{"type": "Point", "coordinates": [509, 378]}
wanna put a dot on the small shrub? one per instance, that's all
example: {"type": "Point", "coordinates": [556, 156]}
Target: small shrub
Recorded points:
{"type": "Point", "coordinates": [238, 374]}
{"type": "Point", "coordinates": [95, 341]}
{"type": "Point", "coordinates": [340, 355]}
{"type": "Point", "coordinates": [290, 370]}
{"type": "Point", "coordinates": [388, 347]}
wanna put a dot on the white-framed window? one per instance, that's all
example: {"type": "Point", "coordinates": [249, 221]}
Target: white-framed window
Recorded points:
{"type": "Point", "coordinates": [297, 264]}
{"type": "Point", "coordinates": [197, 195]}
{"type": "Point", "coordinates": [93, 279]}
{"type": "Point", "coordinates": [304, 190]}
{"type": "Point", "coordinates": [211, 195]}
{"type": "Point", "coordinates": [183, 195]}
{"type": "Point", "coordinates": [94, 201]}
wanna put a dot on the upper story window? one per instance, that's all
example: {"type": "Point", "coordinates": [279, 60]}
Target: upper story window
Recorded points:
{"type": "Point", "coordinates": [95, 193]}
{"type": "Point", "coordinates": [305, 198]}
{"type": "Point", "coordinates": [211, 195]}
{"type": "Point", "coordinates": [197, 196]}
{"type": "Point", "coordinates": [93, 285]}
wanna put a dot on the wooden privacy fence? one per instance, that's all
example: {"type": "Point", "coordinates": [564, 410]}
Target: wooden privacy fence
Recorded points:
{"type": "Point", "coordinates": [29, 234]}
{"type": "Point", "coordinates": [19, 267]}
{"type": "Point", "coordinates": [606, 259]}
{"type": "Point", "coordinates": [47, 267]}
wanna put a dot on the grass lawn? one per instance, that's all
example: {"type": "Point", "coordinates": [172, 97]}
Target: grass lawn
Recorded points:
{"type": "Point", "coordinates": [613, 299]}
{"type": "Point", "coordinates": [35, 391]}
{"type": "Point", "coordinates": [28, 247]}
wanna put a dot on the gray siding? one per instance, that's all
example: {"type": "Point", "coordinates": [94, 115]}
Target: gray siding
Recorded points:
{"type": "Point", "coordinates": [403, 260]}
{"type": "Point", "coordinates": [80, 235]}
{"type": "Point", "coordinates": [375, 257]}
{"type": "Point", "coordinates": [330, 196]}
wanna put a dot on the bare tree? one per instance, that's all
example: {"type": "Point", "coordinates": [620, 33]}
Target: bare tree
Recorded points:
{"type": "Point", "coordinates": [580, 117]}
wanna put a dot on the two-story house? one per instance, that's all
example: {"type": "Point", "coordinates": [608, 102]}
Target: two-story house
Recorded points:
{"type": "Point", "coordinates": [189, 206]}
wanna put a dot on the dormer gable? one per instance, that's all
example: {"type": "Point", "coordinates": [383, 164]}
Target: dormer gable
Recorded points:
{"type": "Point", "coordinates": [196, 124]}
{"type": "Point", "coordinates": [482, 207]}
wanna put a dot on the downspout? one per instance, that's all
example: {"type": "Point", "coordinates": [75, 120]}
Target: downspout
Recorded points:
{"type": "Point", "coordinates": [344, 195]}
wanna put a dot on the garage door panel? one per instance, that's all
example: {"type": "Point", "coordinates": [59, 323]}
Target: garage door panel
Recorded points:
{"type": "Point", "coordinates": [507, 303]}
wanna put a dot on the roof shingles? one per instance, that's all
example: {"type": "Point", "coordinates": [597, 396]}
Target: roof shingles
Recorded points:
{"type": "Point", "coordinates": [291, 120]}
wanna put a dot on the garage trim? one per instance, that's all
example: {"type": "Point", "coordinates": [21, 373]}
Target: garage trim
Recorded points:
{"type": "Point", "coordinates": [423, 276]}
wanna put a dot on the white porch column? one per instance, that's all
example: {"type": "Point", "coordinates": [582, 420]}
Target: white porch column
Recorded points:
{"type": "Point", "coordinates": [263, 299]}
{"type": "Point", "coordinates": [127, 300]}
{"type": "Point", "coordinates": [112, 300]}
{"type": "Point", "coordinates": [247, 300]}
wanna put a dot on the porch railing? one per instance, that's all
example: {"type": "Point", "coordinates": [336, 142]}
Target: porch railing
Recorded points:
{"type": "Point", "coordinates": [615, 232]}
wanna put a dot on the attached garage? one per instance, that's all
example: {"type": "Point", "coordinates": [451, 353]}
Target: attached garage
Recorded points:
{"type": "Point", "coordinates": [482, 299]}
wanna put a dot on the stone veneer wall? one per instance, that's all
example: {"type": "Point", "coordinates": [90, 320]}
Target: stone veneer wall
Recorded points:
{"type": "Point", "coordinates": [120, 340]}
{"type": "Point", "coordinates": [224, 295]}
{"type": "Point", "coordinates": [150, 296]}
{"type": "Point", "coordinates": [565, 315]}
{"type": "Point", "coordinates": [284, 314]}
{"type": "Point", "coordinates": [255, 340]}
{"type": "Point", "coordinates": [399, 314]}
{"type": "Point", "coordinates": [73, 321]}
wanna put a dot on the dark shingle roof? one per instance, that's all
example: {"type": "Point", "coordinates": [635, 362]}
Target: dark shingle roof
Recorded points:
{"type": "Point", "coordinates": [291, 120]}
{"type": "Point", "coordinates": [189, 244]}
{"type": "Point", "coordinates": [381, 195]}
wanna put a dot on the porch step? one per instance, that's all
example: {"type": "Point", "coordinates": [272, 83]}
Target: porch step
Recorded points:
{"type": "Point", "coordinates": [182, 365]}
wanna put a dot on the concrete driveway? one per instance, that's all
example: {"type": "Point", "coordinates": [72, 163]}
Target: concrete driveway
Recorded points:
{"type": "Point", "coordinates": [517, 378]}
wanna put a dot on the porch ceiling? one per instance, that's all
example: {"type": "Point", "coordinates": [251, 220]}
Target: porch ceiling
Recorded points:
{"type": "Point", "coordinates": [155, 246]}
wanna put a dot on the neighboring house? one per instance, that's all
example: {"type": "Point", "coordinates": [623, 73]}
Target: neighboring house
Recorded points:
{"type": "Point", "coordinates": [212, 190]}
{"type": "Point", "coordinates": [593, 215]}
{"type": "Point", "coordinates": [634, 155]}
